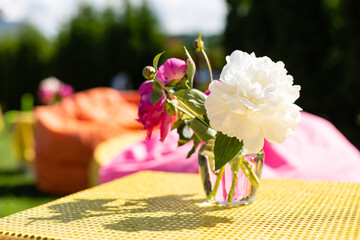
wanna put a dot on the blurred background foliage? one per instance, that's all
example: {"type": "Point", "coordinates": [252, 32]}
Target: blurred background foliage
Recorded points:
{"type": "Point", "coordinates": [94, 46]}
{"type": "Point", "coordinates": [89, 51]}
{"type": "Point", "coordinates": [319, 42]}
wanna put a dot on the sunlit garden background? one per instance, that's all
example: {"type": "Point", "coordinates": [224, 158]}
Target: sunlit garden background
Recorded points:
{"type": "Point", "coordinates": [319, 41]}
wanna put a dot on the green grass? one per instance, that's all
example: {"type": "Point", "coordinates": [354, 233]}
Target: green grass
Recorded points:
{"type": "Point", "coordinates": [17, 184]}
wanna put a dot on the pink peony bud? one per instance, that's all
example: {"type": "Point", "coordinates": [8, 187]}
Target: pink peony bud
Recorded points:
{"type": "Point", "coordinates": [151, 116]}
{"type": "Point", "coordinates": [66, 90]}
{"type": "Point", "coordinates": [172, 71]}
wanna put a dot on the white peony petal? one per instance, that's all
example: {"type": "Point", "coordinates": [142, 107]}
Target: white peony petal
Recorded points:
{"type": "Point", "coordinates": [237, 125]}
{"type": "Point", "coordinates": [251, 105]}
{"type": "Point", "coordinates": [260, 77]}
{"type": "Point", "coordinates": [228, 124]}
{"type": "Point", "coordinates": [258, 117]}
{"type": "Point", "coordinates": [216, 108]}
{"type": "Point", "coordinates": [219, 88]}
{"type": "Point", "coordinates": [275, 131]}
{"type": "Point", "coordinates": [235, 105]}
{"type": "Point", "coordinates": [254, 140]}
{"type": "Point", "coordinates": [255, 99]}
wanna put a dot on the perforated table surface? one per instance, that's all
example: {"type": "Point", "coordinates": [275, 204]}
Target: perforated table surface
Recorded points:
{"type": "Point", "coordinates": [157, 205]}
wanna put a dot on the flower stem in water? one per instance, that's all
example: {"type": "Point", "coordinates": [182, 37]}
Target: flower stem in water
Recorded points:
{"type": "Point", "coordinates": [253, 178]}
{"type": "Point", "coordinates": [217, 183]}
{"type": "Point", "coordinates": [249, 173]}
{"type": "Point", "coordinates": [233, 184]}
{"type": "Point", "coordinates": [235, 170]}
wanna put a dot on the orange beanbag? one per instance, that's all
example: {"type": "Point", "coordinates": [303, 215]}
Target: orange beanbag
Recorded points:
{"type": "Point", "coordinates": [67, 133]}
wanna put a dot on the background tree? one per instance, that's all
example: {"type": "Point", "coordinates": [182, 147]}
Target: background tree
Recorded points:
{"type": "Point", "coordinates": [94, 46]}
{"type": "Point", "coordinates": [90, 49]}
{"type": "Point", "coordinates": [23, 59]}
{"type": "Point", "coordinates": [319, 43]}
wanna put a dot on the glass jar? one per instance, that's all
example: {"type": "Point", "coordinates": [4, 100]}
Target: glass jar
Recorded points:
{"type": "Point", "coordinates": [236, 182]}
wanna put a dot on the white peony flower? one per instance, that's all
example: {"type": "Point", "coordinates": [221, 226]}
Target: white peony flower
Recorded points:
{"type": "Point", "coordinates": [253, 100]}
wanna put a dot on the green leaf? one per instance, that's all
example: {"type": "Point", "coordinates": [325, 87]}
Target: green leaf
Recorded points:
{"type": "Point", "coordinates": [225, 149]}
{"type": "Point", "coordinates": [179, 87]}
{"type": "Point", "coordinates": [177, 123]}
{"type": "Point", "coordinates": [191, 68]}
{"type": "Point", "coordinates": [170, 108]}
{"type": "Point", "coordinates": [184, 111]}
{"type": "Point", "coordinates": [156, 60]}
{"type": "Point", "coordinates": [196, 144]}
{"type": "Point", "coordinates": [156, 94]}
{"type": "Point", "coordinates": [203, 132]}
{"type": "Point", "coordinates": [193, 98]}
{"type": "Point", "coordinates": [182, 141]}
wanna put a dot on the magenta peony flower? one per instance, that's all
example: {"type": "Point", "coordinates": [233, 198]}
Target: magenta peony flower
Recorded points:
{"type": "Point", "coordinates": [172, 71]}
{"type": "Point", "coordinates": [151, 116]}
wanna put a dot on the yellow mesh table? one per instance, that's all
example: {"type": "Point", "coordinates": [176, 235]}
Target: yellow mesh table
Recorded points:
{"type": "Point", "coordinates": [156, 205]}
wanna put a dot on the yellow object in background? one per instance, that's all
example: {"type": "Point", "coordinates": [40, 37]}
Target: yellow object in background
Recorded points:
{"type": "Point", "coordinates": [23, 137]}
{"type": "Point", "coordinates": [21, 124]}
{"type": "Point", "coordinates": [2, 124]}
{"type": "Point", "coordinates": [108, 149]}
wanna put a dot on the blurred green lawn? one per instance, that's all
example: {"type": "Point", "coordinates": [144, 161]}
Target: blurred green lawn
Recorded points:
{"type": "Point", "coordinates": [17, 186]}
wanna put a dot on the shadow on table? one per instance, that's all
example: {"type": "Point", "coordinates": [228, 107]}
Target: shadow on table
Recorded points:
{"type": "Point", "coordinates": [79, 209]}
{"type": "Point", "coordinates": [166, 213]}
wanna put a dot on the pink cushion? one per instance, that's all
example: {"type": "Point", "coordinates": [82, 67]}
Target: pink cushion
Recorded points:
{"type": "Point", "coordinates": [151, 155]}
{"type": "Point", "coordinates": [316, 151]}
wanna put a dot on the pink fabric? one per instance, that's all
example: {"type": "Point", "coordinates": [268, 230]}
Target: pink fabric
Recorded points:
{"type": "Point", "coordinates": [151, 155]}
{"type": "Point", "coordinates": [316, 151]}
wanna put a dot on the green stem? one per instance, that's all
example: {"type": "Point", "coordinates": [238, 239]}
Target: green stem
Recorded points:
{"type": "Point", "coordinates": [235, 170]}
{"type": "Point", "coordinates": [187, 108]}
{"type": "Point", "coordinates": [232, 189]}
{"type": "Point", "coordinates": [217, 183]}
{"type": "Point", "coordinates": [208, 64]}
{"type": "Point", "coordinates": [253, 178]}
{"type": "Point", "coordinates": [210, 154]}
{"type": "Point", "coordinates": [249, 173]}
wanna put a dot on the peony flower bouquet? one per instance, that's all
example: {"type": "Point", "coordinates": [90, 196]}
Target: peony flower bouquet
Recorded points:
{"type": "Point", "coordinates": [253, 100]}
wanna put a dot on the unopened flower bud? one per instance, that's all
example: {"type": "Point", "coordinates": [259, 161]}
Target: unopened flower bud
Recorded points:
{"type": "Point", "coordinates": [199, 45]}
{"type": "Point", "coordinates": [149, 72]}
{"type": "Point", "coordinates": [172, 71]}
